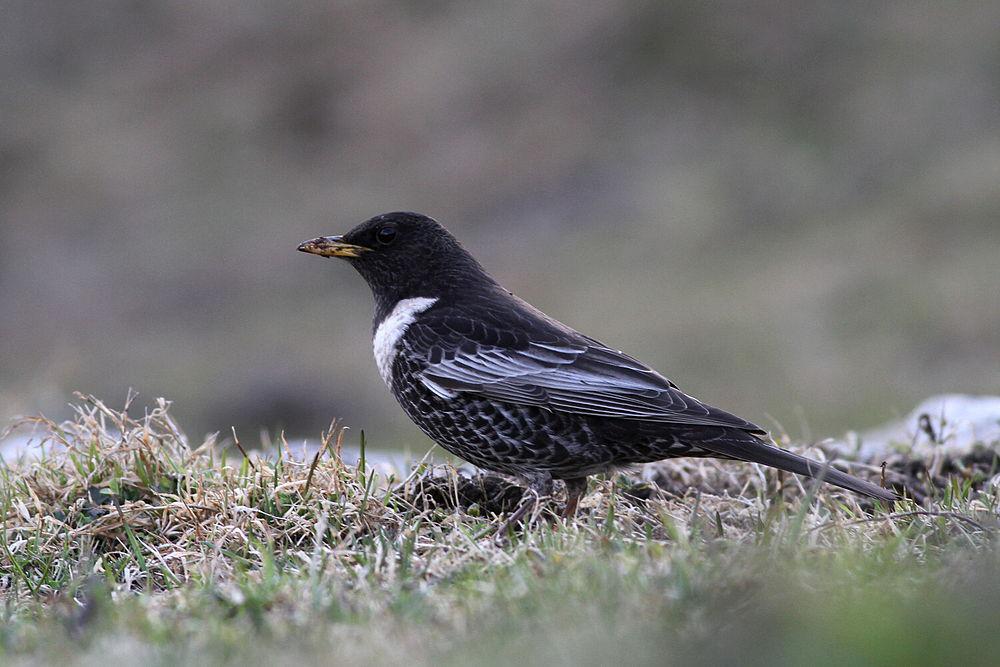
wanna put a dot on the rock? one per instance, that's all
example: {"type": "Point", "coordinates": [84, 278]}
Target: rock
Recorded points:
{"type": "Point", "coordinates": [12, 447]}
{"type": "Point", "coordinates": [948, 424]}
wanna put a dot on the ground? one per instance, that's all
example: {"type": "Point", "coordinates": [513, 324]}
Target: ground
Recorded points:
{"type": "Point", "coordinates": [124, 542]}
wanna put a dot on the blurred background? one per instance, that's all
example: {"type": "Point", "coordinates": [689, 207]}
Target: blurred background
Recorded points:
{"type": "Point", "coordinates": [792, 209]}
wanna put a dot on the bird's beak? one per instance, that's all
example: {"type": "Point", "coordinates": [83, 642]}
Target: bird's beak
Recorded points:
{"type": "Point", "coordinates": [332, 246]}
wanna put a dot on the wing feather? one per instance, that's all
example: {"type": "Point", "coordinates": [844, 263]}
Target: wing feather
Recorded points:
{"type": "Point", "coordinates": [587, 379]}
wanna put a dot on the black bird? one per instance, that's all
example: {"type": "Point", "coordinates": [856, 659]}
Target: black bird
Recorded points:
{"type": "Point", "coordinates": [500, 384]}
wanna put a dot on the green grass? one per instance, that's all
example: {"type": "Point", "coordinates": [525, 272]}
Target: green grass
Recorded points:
{"type": "Point", "coordinates": [122, 543]}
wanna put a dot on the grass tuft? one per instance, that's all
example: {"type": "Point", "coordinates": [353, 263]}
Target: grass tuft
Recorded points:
{"type": "Point", "coordinates": [122, 541]}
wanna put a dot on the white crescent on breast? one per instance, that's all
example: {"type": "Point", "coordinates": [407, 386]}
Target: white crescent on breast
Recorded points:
{"type": "Point", "coordinates": [391, 330]}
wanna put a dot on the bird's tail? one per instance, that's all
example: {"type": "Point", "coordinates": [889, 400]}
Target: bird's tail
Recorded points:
{"type": "Point", "coordinates": [750, 448]}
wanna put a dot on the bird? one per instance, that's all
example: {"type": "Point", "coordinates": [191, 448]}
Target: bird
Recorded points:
{"type": "Point", "coordinates": [502, 385]}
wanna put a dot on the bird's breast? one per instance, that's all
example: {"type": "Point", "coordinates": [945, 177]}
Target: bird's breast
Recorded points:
{"type": "Point", "coordinates": [391, 329]}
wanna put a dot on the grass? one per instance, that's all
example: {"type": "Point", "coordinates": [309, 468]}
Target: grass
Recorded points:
{"type": "Point", "coordinates": [123, 542]}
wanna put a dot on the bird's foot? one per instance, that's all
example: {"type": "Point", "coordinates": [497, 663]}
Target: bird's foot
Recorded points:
{"type": "Point", "coordinates": [539, 490]}
{"type": "Point", "coordinates": [575, 488]}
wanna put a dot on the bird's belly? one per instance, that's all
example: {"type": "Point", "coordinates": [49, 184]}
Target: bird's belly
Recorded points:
{"type": "Point", "coordinates": [522, 439]}
{"type": "Point", "coordinates": [500, 436]}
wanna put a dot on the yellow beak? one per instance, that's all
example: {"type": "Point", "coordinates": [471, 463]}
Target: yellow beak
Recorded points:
{"type": "Point", "coordinates": [332, 246]}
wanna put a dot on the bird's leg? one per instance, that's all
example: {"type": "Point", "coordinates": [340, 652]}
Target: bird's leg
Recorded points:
{"type": "Point", "coordinates": [539, 489]}
{"type": "Point", "coordinates": [575, 488]}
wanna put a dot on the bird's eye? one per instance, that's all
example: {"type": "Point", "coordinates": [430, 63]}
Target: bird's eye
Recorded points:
{"type": "Point", "coordinates": [386, 235]}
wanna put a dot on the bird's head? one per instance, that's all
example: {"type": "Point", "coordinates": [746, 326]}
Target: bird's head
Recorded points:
{"type": "Point", "coordinates": [402, 255]}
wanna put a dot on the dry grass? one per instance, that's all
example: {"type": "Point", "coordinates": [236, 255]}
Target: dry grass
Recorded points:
{"type": "Point", "coordinates": [111, 506]}
{"type": "Point", "coordinates": [109, 490]}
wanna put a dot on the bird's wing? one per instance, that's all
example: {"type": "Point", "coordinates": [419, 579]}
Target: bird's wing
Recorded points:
{"type": "Point", "coordinates": [578, 376]}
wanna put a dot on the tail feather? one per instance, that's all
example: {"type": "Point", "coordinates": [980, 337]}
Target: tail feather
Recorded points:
{"type": "Point", "coordinates": [750, 449]}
